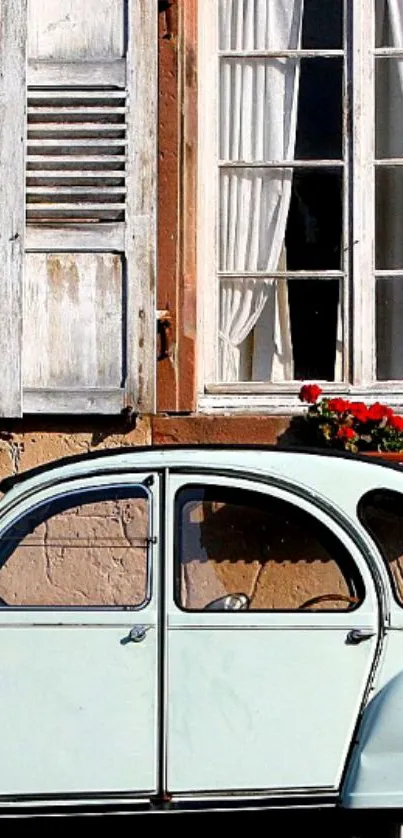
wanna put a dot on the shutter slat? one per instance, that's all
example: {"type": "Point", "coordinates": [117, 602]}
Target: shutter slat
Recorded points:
{"type": "Point", "coordinates": [92, 178]}
{"type": "Point", "coordinates": [46, 130]}
{"type": "Point", "coordinates": [73, 94]}
{"type": "Point", "coordinates": [75, 212]}
{"type": "Point", "coordinates": [75, 190]}
{"type": "Point", "coordinates": [70, 159]}
{"type": "Point", "coordinates": [58, 143]}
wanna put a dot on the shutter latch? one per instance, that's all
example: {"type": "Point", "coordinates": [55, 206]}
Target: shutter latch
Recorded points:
{"type": "Point", "coordinates": [164, 323]}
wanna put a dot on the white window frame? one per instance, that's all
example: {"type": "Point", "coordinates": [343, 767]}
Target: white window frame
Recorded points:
{"type": "Point", "coordinates": [358, 274]}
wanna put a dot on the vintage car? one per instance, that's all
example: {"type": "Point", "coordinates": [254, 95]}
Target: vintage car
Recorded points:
{"type": "Point", "coordinates": [202, 628]}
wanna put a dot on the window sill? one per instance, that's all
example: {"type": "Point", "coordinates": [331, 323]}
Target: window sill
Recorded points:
{"type": "Point", "coordinates": [262, 398]}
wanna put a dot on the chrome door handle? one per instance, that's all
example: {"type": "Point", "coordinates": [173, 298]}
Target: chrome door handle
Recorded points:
{"type": "Point", "coordinates": [356, 636]}
{"type": "Point", "coordinates": [136, 635]}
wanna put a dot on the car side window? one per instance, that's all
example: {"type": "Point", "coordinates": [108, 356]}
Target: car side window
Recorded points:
{"type": "Point", "coordinates": [87, 548]}
{"type": "Point", "coordinates": [237, 550]}
{"type": "Point", "coordinates": [381, 513]}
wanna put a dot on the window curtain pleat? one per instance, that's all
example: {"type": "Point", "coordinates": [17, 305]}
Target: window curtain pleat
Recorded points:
{"type": "Point", "coordinates": [258, 114]}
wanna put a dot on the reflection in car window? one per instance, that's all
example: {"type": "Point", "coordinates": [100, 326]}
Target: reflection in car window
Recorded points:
{"type": "Point", "coordinates": [381, 513]}
{"type": "Point", "coordinates": [85, 548]}
{"type": "Point", "coordinates": [239, 550]}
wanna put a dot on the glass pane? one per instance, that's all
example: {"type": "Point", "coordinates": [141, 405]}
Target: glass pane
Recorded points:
{"type": "Point", "coordinates": [238, 550]}
{"type": "Point", "coordinates": [84, 550]}
{"type": "Point", "coordinates": [280, 330]}
{"type": "Point", "coordinates": [315, 221]}
{"type": "Point", "coordinates": [381, 512]}
{"type": "Point", "coordinates": [258, 99]}
{"type": "Point", "coordinates": [389, 328]}
{"type": "Point", "coordinates": [316, 329]}
{"type": "Point", "coordinates": [389, 214]}
{"type": "Point", "coordinates": [322, 24]}
{"type": "Point", "coordinates": [261, 210]}
{"type": "Point", "coordinates": [320, 115]}
{"type": "Point", "coordinates": [389, 31]}
{"type": "Point", "coordinates": [253, 25]}
{"type": "Point", "coordinates": [389, 107]}
{"type": "Point", "coordinates": [253, 211]}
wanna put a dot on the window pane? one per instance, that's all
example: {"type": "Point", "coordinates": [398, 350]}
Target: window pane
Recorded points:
{"type": "Point", "coordinates": [261, 210]}
{"type": "Point", "coordinates": [381, 512]}
{"type": "Point", "coordinates": [389, 107]}
{"type": "Point", "coordinates": [316, 329]}
{"type": "Point", "coordinates": [388, 24]}
{"type": "Point", "coordinates": [258, 101]}
{"type": "Point", "coordinates": [253, 25]}
{"type": "Point", "coordinates": [389, 328]}
{"type": "Point", "coordinates": [389, 213]}
{"type": "Point", "coordinates": [322, 24]}
{"type": "Point", "coordinates": [276, 555]}
{"type": "Point", "coordinates": [249, 24]}
{"type": "Point", "coordinates": [81, 550]}
{"type": "Point", "coordinates": [315, 222]}
{"type": "Point", "coordinates": [320, 116]}
{"type": "Point", "coordinates": [280, 330]}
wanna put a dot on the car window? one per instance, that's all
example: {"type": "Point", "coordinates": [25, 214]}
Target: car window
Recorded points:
{"type": "Point", "coordinates": [239, 550]}
{"type": "Point", "coordinates": [81, 549]}
{"type": "Point", "coordinates": [381, 513]}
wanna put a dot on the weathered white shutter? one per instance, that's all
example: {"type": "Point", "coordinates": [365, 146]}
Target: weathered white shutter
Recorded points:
{"type": "Point", "coordinates": [88, 287]}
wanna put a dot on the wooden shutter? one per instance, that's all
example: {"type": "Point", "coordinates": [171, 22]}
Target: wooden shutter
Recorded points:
{"type": "Point", "coordinates": [88, 288]}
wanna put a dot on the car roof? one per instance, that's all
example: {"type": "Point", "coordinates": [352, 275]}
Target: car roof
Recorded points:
{"type": "Point", "coordinates": [339, 476]}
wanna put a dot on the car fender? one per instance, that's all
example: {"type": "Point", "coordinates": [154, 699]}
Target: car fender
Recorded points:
{"type": "Point", "coordinates": [375, 775]}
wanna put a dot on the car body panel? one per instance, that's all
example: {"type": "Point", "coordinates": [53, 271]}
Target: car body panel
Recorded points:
{"type": "Point", "coordinates": [268, 705]}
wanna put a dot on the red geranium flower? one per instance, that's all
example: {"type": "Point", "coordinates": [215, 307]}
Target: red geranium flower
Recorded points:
{"type": "Point", "coordinates": [359, 410]}
{"type": "Point", "coordinates": [347, 433]}
{"type": "Point", "coordinates": [396, 422]}
{"type": "Point", "coordinates": [338, 405]}
{"type": "Point", "coordinates": [379, 411]}
{"type": "Point", "coordinates": [310, 393]}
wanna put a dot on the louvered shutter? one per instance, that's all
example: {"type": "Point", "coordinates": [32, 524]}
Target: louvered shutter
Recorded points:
{"type": "Point", "coordinates": [88, 302]}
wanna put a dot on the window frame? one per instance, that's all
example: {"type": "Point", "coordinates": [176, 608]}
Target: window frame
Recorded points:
{"type": "Point", "coordinates": [359, 340]}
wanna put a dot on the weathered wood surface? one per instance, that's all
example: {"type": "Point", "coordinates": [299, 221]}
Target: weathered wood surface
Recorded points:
{"type": "Point", "coordinates": [12, 207]}
{"type": "Point", "coordinates": [73, 311]}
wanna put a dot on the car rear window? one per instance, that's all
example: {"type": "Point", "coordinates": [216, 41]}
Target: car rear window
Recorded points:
{"type": "Point", "coordinates": [381, 513]}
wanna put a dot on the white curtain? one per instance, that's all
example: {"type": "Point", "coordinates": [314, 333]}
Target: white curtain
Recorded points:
{"type": "Point", "coordinates": [389, 191]}
{"type": "Point", "coordinates": [258, 113]}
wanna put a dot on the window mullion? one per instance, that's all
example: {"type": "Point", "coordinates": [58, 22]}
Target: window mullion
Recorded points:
{"type": "Point", "coordinates": [363, 197]}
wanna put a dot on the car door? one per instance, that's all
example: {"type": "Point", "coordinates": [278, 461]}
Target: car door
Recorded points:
{"type": "Point", "coordinates": [78, 588]}
{"type": "Point", "coordinates": [264, 698]}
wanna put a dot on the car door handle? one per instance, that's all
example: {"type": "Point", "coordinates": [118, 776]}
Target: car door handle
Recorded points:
{"type": "Point", "coordinates": [136, 635]}
{"type": "Point", "coordinates": [356, 636]}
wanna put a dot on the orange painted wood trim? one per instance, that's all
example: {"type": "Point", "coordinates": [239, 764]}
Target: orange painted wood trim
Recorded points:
{"type": "Point", "coordinates": [176, 377]}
